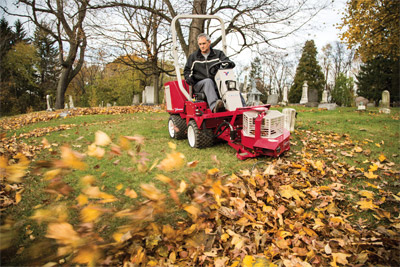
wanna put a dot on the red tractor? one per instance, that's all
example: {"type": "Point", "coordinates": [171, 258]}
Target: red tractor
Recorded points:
{"type": "Point", "coordinates": [251, 131]}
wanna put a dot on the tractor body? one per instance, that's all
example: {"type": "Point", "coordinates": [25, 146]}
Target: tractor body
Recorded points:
{"type": "Point", "coordinates": [251, 131]}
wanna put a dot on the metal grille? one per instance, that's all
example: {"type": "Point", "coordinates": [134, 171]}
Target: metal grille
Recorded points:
{"type": "Point", "coordinates": [271, 125]}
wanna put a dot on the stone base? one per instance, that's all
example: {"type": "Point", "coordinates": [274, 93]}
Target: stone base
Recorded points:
{"type": "Point", "coordinates": [328, 106]}
{"type": "Point", "coordinates": [312, 104]}
{"type": "Point", "coordinates": [384, 110]}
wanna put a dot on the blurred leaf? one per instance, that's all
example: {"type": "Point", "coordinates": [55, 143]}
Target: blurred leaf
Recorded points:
{"type": "Point", "coordinates": [102, 139]}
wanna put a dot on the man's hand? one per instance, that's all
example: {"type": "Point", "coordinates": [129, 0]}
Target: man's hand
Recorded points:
{"type": "Point", "coordinates": [190, 81]}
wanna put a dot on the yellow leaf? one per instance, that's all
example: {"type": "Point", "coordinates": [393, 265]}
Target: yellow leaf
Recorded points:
{"type": "Point", "coordinates": [119, 187]}
{"type": "Point", "coordinates": [182, 187]}
{"type": "Point", "coordinates": [212, 171]}
{"type": "Point", "coordinates": [49, 175]}
{"type": "Point", "coordinates": [87, 255]}
{"type": "Point", "coordinates": [366, 193]}
{"type": "Point", "coordinates": [193, 164]}
{"type": "Point", "coordinates": [130, 193]}
{"type": "Point", "coordinates": [117, 236]}
{"type": "Point", "coordinates": [373, 168]}
{"type": "Point", "coordinates": [358, 149]}
{"type": "Point", "coordinates": [164, 179]}
{"type": "Point", "coordinates": [382, 158]}
{"type": "Point", "coordinates": [173, 161]}
{"type": "Point", "coordinates": [288, 192]}
{"type": "Point", "coordinates": [45, 143]}
{"type": "Point", "coordinates": [224, 237]}
{"type": "Point", "coordinates": [95, 151]}
{"type": "Point", "coordinates": [151, 192]}
{"type": "Point", "coordinates": [216, 187]}
{"type": "Point", "coordinates": [90, 213]}
{"type": "Point", "coordinates": [341, 258]}
{"type": "Point", "coordinates": [63, 233]}
{"type": "Point", "coordinates": [370, 175]}
{"type": "Point", "coordinates": [194, 211]}
{"type": "Point", "coordinates": [124, 143]}
{"type": "Point", "coordinates": [88, 180]}
{"type": "Point", "coordinates": [377, 144]}
{"type": "Point", "coordinates": [367, 205]}
{"type": "Point", "coordinates": [102, 139]}
{"type": "Point", "coordinates": [16, 171]}
{"type": "Point", "coordinates": [172, 145]}
{"type": "Point", "coordinates": [71, 159]}
{"type": "Point", "coordinates": [248, 261]}
{"type": "Point", "coordinates": [310, 232]}
{"type": "Point", "coordinates": [82, 200]}
{"type": "Point", "coordinates": [17, 197]}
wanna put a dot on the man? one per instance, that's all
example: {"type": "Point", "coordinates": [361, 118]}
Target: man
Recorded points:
{"type": "Point", "coordinates": [196, 71]}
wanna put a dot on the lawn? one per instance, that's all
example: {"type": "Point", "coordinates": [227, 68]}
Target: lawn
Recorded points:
{"type": "Point", "coordinates": [342, 172]}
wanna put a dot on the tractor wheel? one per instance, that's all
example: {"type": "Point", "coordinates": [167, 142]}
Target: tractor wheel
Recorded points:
{"type": "Point", "coordinates": [199, 138]}
{"type": "Point", "coordinates": [177, 127]}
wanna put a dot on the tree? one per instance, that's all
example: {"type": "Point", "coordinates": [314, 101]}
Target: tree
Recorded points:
{"type": "Point", "coordinates": [342, 93]}
{"type": "Point", "coordinates": [308, 70]}
{"type": "Point", "coordinates": [377, 75]}
{"type": "Point", "coordinates": [65, 23]}
{"type": "Point", "coordinates": [373, 27]}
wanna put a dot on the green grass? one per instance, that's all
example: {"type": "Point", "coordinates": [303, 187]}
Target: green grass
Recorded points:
{"type": "Point", "coordinates": [364, 129]}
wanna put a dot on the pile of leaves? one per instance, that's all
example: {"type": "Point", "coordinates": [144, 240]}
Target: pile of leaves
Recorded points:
{"type": "Point", "coordinates": [287, 213]}
{"type": "Point", "coordinates": [16, 122]}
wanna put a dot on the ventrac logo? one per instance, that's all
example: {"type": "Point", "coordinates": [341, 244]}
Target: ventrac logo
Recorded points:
{"type": "Point", "coordinates": [226, 73]}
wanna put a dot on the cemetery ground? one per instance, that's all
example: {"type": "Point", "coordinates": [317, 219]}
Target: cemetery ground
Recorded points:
{"type": "Point", "coordinates": [107, 186]}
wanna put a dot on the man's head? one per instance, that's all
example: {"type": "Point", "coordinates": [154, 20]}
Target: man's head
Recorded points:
{"type": "Point", "coordinates": [204, 42]}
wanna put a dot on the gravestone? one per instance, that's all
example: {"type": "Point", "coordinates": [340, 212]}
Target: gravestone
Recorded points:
{"type": "Point", "coordinates": [65, 106]}
{"type": "Point", "coordinates": [48, 103]}
{"type": "Point", "coordinates": [273, 99]}
{"type": "Point", "coordinates": [361, 106]}
{"type": "Point", "coordinates": [324, 97]}
{"type": "Point", "coordinates": [114, 104]}
{"type": "Point", "coordinates": [109, 105]}
{"type": "Point", "coordinates": [143, 97]}
{"type": "Point", "coordinates": [360, 99]}
{"type": "Point", "coordinates": [304, 93]}
{"type": "Point", "coordinates": [149, 92]}
{"type": "Point", "coordinates": [285, 95]}
{"type": "Point", "coordinates": [135, 100]}
{"type": "Point", "coordinates": [328, 106]}
{"type": "Point", "coordinates": [385, 103]}
{"type": "Point", "coordinates": [312, 98]}
{"type": "Point", "coordinates": [71, 102]}
{"type": "Point", "coordinates": [290, 118]}
{"type": "Point", "coordinates": [371, 104]}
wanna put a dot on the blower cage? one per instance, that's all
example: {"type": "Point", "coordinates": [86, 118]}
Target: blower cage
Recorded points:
{"type": "Point", "coordinates": [271, 125]}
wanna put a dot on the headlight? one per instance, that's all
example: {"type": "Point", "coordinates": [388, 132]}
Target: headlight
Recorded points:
{"type": "Point", "coordinates": [231, 85]}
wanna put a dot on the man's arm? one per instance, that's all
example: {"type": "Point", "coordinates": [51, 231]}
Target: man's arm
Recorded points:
{"type": "Point", "coordinates": [187, 70]}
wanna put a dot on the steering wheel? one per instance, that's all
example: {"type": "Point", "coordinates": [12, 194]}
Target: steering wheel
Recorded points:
{"type": "Point", "coordinates": [221, 65]}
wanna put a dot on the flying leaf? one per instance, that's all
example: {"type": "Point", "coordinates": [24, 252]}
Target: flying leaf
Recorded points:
{"type": "Point", "coordinates": [382, 158]}
{"type": "Point", "coordinates": [130, 193]}
{"type": "Point", "coordinates": [63, 233]}
{"type": "Point", "coordinates": [151, 192]}
{"type": "Point", "coordinates": [102, 139]}
{"type": "Point", "coordinates": [90, 213]}
{"type": "Point", "coordinates": [370, 175]}
{"type": "Point", "coordinates": [193, 164]}
{"type": "Point", "coordinates": [95, 151]}
{"type": "Point", "coordinates": [172, 145]}
{"type": "Point", "coordinates": [173, 161]}
{"type": "Point", "coordinates": [182, 187]}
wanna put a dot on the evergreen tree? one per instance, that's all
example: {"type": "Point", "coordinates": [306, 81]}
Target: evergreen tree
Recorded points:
{"type": "Point", "coordinates": [377, 75]}
{"type": "Point", "coordinates": [308, 70]}
{"type": "Point", "coordinates": [342, 93]}
{"type": "Point", "coordinates": [48, 67]}
{"type": "Point", "coordinates": [6, 42]}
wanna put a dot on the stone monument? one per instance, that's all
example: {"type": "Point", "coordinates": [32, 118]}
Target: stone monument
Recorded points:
{"type": "Point", "coordinates": [290, 118]}
{"type": "Point", "coordinates": [135, 100]}
{"type": "Point", "coordinates": [273, 99]}
{"type": "Point", "coordinates": [324, 97]}
{"type": "Point", "coordinates": [284, 96]}
{"type": "Point", "coordinates": [149, 95]}
{"type": "Point", "coordinates": [71, 102]}
{"type": "Point", "coordinates": [384, 106]}
{"type": "Point", "coordinates": [48, 98]}
{"type": "Point", "coordinates": [304, 94]}
{"type": "Point", "coordinates": [312, 98]}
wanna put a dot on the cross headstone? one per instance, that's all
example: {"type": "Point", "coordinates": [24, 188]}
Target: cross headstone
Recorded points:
{"type": "Point", "coordinates": [304, 93]}
{"type": "Point", "coordinates": [48, 103]}
{"type": "Point", "coordinates": [71, 102]}
{"type": "Point", "coordinates": [290, 118]}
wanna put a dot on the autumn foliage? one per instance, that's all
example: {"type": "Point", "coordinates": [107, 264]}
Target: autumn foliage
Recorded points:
{"type": "Point", "coordinates": [287, 212]}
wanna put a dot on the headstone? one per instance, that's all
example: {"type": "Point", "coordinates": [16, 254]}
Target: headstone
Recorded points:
{"type": "Point", "coordinates": [360, 99]}
{"type": "Point", "coordinates": [384, 110]}
{"type": "Point", "coordinates": [371, 104]}
{"type": "Point", "coordinates": [328, 106]}
{"type": "Point", "coordinates": [285, 95]}
{"type": "Point", "coordinates": [65, 106]}
{"type": "Point", "coordinates": [290, 118]}
{"type": "Point", "coordinates": [324, 97]}
{"type": "Point", "coordinates": [273, 99]}
{"type": "Point", "coordinates": [313, 96]}
{"type": "Point", "coordinates": [102, 103]}
{"type": "Point", "coordinates": [48, 103]}
{"type": "Point", "coordinates": [71, 102]}
{"type": "Point", "coordinates": [361, 106]}
{"type": "Point", "coordinates": [149, 94]}
{"type": "Point", "coordinates": [144, 97]}
{"type": "Point", "coordinates": [304, 93]}
{"type": "Point", "coordinates": [114, 104]}
{"type": "Point", "coordinates": [109, 105]}
{"type": "Point", "coordinates": [385, 99]}
{"type": "Point", "coordinates": [135, 100]}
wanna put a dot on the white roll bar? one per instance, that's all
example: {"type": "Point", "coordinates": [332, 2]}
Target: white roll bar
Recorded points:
{"type": "Point", "coordinates": [175, 47]}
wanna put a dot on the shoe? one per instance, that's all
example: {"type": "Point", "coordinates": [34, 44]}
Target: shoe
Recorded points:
{"type": "Point", "coordinates": [219, 106]}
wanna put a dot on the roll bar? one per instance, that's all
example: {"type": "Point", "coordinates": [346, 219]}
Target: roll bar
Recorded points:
{"type": "Point", "coordinates": [175, 47]}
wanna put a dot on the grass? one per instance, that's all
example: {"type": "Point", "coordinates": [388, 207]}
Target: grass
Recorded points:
{"type": "Point", "coordinates": [374, 132]}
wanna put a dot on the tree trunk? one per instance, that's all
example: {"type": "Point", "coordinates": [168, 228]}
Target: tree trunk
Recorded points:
{"type": "Point", "coordinates": [62, 87]}
{"type": "Point", "coordinates": [197, 25]}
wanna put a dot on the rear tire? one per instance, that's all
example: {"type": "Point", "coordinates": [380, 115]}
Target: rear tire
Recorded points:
{"type": "Point", "coordinates": [177, 127]}
{"type": "Point", "coordinates": [199, 138]}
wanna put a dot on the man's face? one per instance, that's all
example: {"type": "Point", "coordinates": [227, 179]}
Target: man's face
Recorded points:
{"type": "Point", "coordinates": [204, 45]}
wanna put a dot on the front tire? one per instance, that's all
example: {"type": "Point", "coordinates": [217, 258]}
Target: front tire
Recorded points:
{"type": "Point", "coordinates": [177, 127]}
{"type": "Point", "coordinates": [199, 138]}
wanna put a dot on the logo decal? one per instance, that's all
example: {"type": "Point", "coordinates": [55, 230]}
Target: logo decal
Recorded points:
{"type": "Point", "coordinates": [226, 73]}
